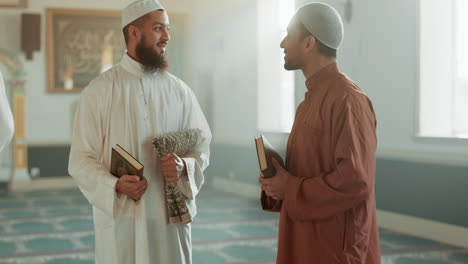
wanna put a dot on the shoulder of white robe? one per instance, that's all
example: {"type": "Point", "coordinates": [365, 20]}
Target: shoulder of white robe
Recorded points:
{"type": "Point", "coordinates": [101, 85]}
{"type": "Point", "coordinates": [183, 88]}
{"type": "Point", "coordinates": [2, 85]}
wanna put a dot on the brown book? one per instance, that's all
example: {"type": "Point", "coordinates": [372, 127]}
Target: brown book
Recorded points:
{"type": "Point", "coordinates": [122, 163]}
{"type": "Point", "coordinates": [265, 154]}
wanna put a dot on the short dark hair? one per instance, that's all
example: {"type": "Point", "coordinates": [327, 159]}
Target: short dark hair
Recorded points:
{"type": "Point", "coordinates": [137, 23]}
{"type": "Point", "coordinates": [324, 49]}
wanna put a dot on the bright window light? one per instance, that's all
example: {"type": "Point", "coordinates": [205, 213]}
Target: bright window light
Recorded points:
{"type": "Point", "coordinates": [462, 38]}
{"type": "Point", "coordinates": [460, 96]}
{"type": "Point", "coordinates": [443, 110]}
{"type": "Point", "coordinates": [275, 84]}
{"type": "Point", "coordinates": [285, 11]}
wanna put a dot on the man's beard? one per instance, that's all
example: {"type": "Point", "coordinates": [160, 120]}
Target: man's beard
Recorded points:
{"type": "Point", "coordinates": [151, 60]}
{"type": "Point", "coordinates": [290, 66]}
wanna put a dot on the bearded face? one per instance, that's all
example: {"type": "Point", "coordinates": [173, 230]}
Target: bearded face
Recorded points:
{"type": "Point", "coordinates": [151, 59]}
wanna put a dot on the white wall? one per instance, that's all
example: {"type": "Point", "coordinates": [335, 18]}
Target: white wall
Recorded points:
{"type": "Point", "coordinates": [49, 117]}
{"type": "Point", "coordinates": [390, 74]}
{"type": "Point", "coordinates": [221, 55]}
{"type": "Point", "coordinates": [226, 67]}
{"type": "Point", "coordinates": [380, 53]}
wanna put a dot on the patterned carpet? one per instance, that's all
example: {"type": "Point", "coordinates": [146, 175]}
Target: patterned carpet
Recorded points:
{"type": "Point", "coordinates": [55, 227]}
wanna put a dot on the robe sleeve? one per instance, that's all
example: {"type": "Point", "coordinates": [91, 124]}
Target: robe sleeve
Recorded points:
{"type": "Point", "coordinates": [352, 180]}
{"type": "Point", "coordinates": [85, 162]}
{"type": "Point", "coordinates": [197, 161]}
{"type": "Point", "coordinates": [6, 117]}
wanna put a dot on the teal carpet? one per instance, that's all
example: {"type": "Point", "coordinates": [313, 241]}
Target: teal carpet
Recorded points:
{"type": "Point", "coordinates": [55, 227]}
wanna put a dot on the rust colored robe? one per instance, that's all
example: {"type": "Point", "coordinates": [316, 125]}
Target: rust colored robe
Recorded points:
{"type": "Point", "coordinates": [328, 214]}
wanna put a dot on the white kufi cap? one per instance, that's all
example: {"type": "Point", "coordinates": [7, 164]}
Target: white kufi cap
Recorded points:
{"type": "Point", "coordinates": [322, 21]}
{"type": "Point", "coordinates": [138, 9]}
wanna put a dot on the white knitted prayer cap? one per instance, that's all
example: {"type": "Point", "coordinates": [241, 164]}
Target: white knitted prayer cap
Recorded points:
{"type": "Point", "coordinates": [322, 21]}
{"type": "Point", "coordinates": [138, 9]}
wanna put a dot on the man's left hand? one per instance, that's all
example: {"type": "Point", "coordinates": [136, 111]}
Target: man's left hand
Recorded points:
{"type": "Point", "coordinates": [172, 167]}
{"type": "Point", "coordinates": [275, 186]}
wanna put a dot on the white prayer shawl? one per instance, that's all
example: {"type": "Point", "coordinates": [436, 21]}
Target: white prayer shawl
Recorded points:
{"type": "Point", "coordinates": [6, 117]}
{"type": "Point", "coordinates": [128, 107]}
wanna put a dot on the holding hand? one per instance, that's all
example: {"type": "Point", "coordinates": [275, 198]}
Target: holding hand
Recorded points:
{"type": "Point", "coordinates": [172, 167]}
{"type": "Point", "coordinates": [132, 185]}
{"type": "Point", "coordinates": [275, 187]}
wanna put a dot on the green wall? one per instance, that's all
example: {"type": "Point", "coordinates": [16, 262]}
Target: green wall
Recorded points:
{"type": "Point", "coordinates": [430, 191]}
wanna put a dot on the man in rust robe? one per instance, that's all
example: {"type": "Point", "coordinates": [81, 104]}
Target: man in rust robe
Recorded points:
{"type": "Point", "coordinates": [325, 193]}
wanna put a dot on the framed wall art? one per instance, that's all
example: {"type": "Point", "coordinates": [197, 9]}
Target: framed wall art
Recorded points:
{"type": "Point", "coordinates": [81, 44]}
{"type": "Point", "coordinates": [14, 3]}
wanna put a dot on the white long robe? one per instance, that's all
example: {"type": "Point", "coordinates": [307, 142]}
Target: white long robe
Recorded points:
{"type": "Point", "coordinates": [128, 107]}
{"type": "Point", "coordinates": [6, 117]}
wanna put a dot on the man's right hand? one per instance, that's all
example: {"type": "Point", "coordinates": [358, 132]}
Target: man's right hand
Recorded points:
{"type": "Point", "coordinates": [131, 185]}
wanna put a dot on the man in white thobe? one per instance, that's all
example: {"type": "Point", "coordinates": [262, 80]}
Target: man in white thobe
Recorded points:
{"type": "Point", "coordinates": [130, 104]}
{"type": "Point", "coordinates": [6, 117]}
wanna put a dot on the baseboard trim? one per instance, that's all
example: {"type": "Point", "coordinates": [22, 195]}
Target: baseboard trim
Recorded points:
{"type": "Point", "coordinates": [43, 184]}
{"type": "Point", "coordinates": [420, 227]}
{"type": "Point", "coordinates": [429, 229]}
